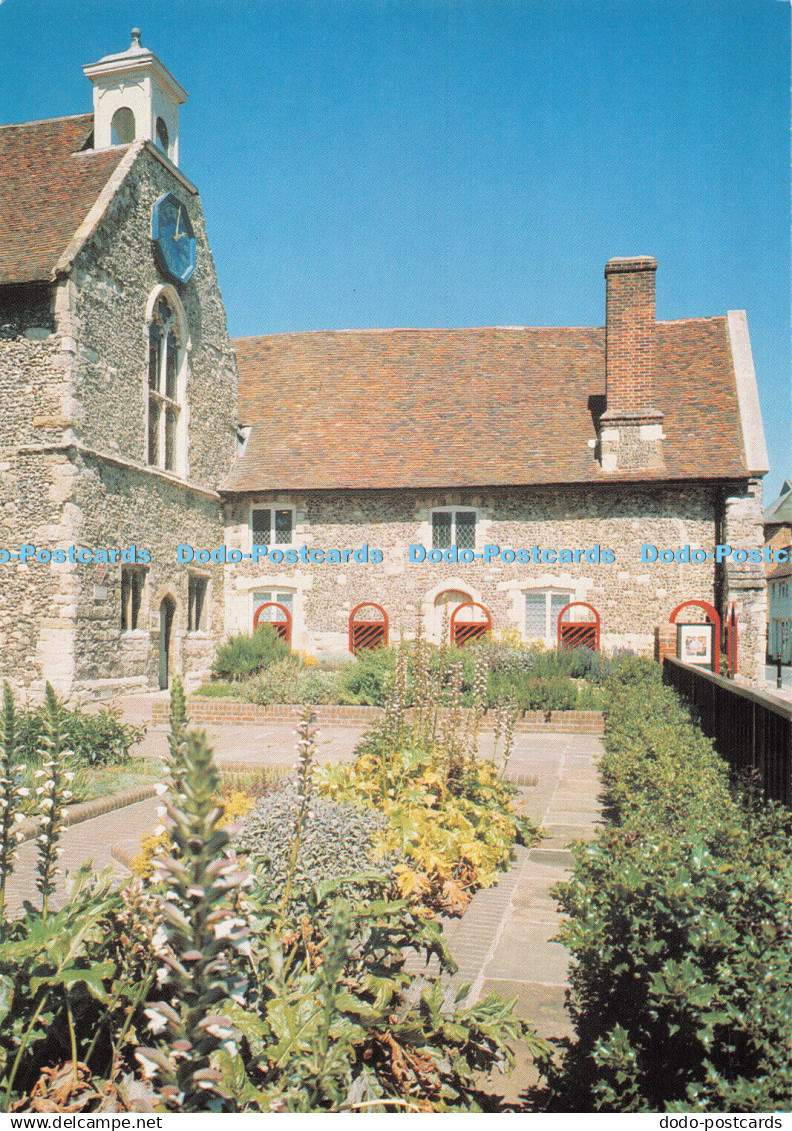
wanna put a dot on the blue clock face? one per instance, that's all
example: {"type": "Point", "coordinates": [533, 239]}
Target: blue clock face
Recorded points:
{"type": "Point", "coordinates": [174, 238]}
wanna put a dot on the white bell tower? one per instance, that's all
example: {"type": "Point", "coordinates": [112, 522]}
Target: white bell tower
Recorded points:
{"type": "Point", "coordinates": [135, 98]}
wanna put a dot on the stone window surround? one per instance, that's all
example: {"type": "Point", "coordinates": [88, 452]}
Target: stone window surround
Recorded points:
{"type": "Point", "coordinates": [296, 584]}
{"type": "Point", "coordinates": [143, 608]}
{"type": "Point", "coordinates": [425, 512]}
{"type": "Point", "coordinates": [181, 468]}
{"type": "Point", "coordinates": [563, 582]}
{"type": "Point", "coordinates": [206, 610]}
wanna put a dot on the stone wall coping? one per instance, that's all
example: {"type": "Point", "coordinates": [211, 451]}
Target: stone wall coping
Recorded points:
{"type": "Point", "coordinates": [235, 712]}
{"type": "Point", "coordinates": [97, 212]}
{"type": "Point", "coordinates": [87, 810]}
{"type": "Point", "coordinates": [747, 393]}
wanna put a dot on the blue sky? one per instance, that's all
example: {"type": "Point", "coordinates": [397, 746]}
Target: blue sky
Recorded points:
{"type": "Point", "coordinates": [372, 163]}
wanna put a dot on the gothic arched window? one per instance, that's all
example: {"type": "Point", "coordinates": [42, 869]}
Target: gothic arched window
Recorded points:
{"type": "Point", "coordinates": [165, 394]}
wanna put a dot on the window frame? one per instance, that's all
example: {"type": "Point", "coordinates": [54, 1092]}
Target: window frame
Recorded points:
{"type": "Point", "coordinates": [272, 508]}
{"type": "Point", "coordinates": [204, 620]}
{"type": "Point", "coordinates": [550, 636]}
{"type": "Point", "coordinates": [453, 511]}
{"type": "Point", "coordinates": [130, 612]}
{"type": "Point", "coordinates": [167, 346]}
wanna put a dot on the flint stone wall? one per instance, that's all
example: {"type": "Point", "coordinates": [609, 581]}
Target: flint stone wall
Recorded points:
{"type": "Point", "coordinates": [634, 600]}
{"type": "Point", "coordinates": [112, 280]}
{"type": "Point", "coordinates": [114, 506]}
{"type": "Point", "coordinates": [73, 376]}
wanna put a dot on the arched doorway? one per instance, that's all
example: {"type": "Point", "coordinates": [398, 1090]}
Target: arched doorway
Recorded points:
{"type": "Point", "coordinates": [166, 615]}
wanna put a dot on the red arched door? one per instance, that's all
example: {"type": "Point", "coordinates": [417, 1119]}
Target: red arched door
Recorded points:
{"type": "Point", "coordinates": [279, 618]}
{"type": "Point", "coordinates": [368, 627]}
{"type": "Point", "coordinates": [579, 633]}
{"type": "Point", "coordinates": [473, 623]}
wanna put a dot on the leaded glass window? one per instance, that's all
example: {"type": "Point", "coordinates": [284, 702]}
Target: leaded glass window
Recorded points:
{"type": "Point", "coordinates": [453, 528]}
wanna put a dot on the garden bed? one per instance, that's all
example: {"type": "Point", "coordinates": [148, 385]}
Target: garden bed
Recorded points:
{"type": "Point", "coordinates": [264, 982]}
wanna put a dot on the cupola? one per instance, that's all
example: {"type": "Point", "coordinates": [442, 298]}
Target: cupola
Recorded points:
{"type": "Point", "coordinates": [135, 98]}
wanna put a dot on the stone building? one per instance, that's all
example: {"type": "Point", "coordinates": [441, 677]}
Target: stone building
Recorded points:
{"type": "Point", "coordinates": [568, 449]}
{"type": "Point", "coordinates": [363, 474]}
{"type": "Point", "coordinates": [118, 387]}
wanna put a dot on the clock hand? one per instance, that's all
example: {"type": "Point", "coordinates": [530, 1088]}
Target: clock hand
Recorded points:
{"type": "Point", "coordinates": [176, 234]}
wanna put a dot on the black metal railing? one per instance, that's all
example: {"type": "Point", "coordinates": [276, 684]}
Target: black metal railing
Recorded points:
{"type": "Point", "coordinates": [752, 731]}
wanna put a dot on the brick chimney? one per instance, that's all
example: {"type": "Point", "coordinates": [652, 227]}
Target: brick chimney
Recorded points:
{"type": "Point", "coordinates": [631, 427]}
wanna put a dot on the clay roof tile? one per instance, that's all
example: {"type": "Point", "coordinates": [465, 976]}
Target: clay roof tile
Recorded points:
{"type": "Point", "coordinates": [48, 183]}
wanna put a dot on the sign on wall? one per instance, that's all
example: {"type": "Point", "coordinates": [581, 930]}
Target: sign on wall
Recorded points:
{"type": "Point", "coordinates": [696, 644]}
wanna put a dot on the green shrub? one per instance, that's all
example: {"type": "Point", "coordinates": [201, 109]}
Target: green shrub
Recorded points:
{"type": "Point", "coordinates": [335, 840]}
{"type": "Point", "coordinates": [627, 668]}
{"type": "Point", "coordinates": [96, 739]}
{"type": "Point", "coordinates": [532, 659]}
{"type": "Point", "coordinates": [366, 681]}
{"type": "Point", "coordinates": [591, 698]}
{"type": "Point", "coordinates": [288, 681]}
{"type": "Point", "coordinates": [531, 693]}
{"type": "Point", "coordinates": [554, 694]}
{"type": "Point", "coordinates": [245, 654]}
{"type": "Point", "coordinates": [218, 690]}
{"type": "Point", "coordinates": [679, 926]}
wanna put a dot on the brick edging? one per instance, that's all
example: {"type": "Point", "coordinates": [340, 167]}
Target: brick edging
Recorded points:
{"type": "Point", "coordinates": [235, 713]}
{"type": "Point", "coordinates": [86, 810]}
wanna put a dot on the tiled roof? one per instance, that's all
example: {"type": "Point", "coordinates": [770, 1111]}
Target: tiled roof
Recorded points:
{"type": "Point", "coordinates": [431, 408]}
{"type": "Point", "coordinates": [47, 187]}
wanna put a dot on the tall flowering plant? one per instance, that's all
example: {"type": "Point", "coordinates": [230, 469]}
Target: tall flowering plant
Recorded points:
{"type": "Point", "coordinates": [52, 793]}
{"type": "Point", "coordinates": [11, 796]}
{"type": "Point", "coordinates": [202, 936]}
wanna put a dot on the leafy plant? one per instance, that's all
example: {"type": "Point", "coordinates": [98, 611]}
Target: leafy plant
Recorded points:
{"type": "Point", "coordinates": [335, 841]}
{"type": "Point", "coordinates": [367, 680]}
{"type": "Point", "coordinates": [203, 935]}
{"type": "Point", "coordinates": [679, 926]}
{"type": "Point", "coordinates": [96, 738]}
{"type": "Point", "coordinates": [52, 794]}
{"type": "Point", "coordinates": [64, 983]}
{"type": "Point", "coordinates": [456, 834]}
{"type": "Point", "coordinates": [289, 681]}
{"type": "Point", "coordinates": [245, 654]}
{"type": "Point", "coordinates": [11, 795]}
{"type": "Point", "coordinates": [218, 690]}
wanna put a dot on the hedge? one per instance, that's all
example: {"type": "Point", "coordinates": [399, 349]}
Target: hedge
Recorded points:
{"type": "Point", "coordinates": [680, 927]}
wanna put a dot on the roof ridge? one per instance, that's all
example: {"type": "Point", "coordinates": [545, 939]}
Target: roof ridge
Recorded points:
{"type": "Point", "coordinates": [46, 121]}
{"type": "Point", "coordinates": [406, 330]}
{"type": "Point", "coordinates": [457, 329]}
{"type": "Point", "coordinates": [694, 318]}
